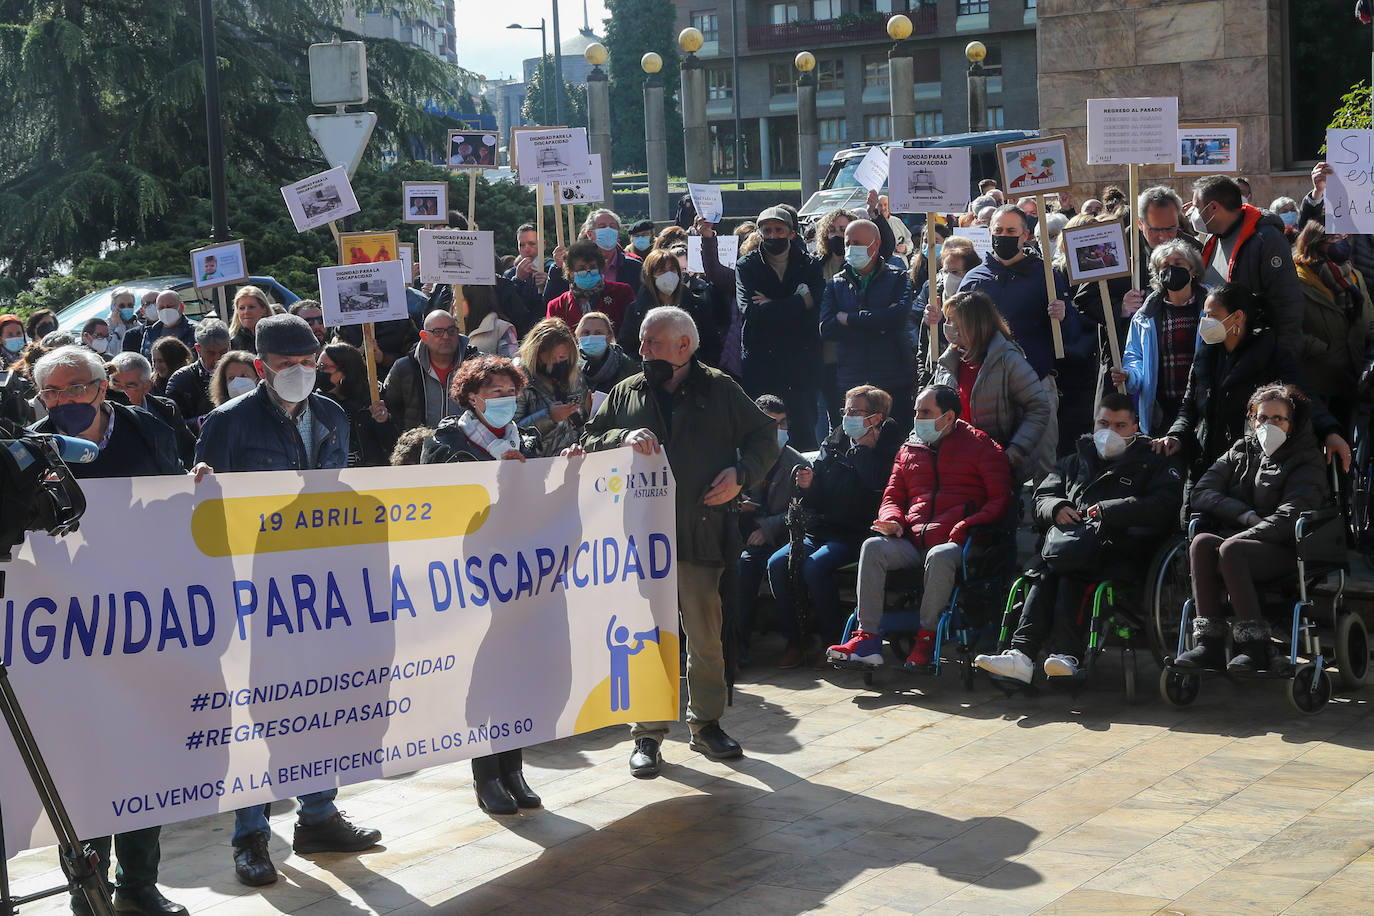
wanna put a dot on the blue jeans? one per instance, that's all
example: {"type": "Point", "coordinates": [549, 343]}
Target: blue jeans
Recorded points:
{"type": "Point", "coordinates": [822, 559]}
{"type": "Point", "coordinates": [316, 808]}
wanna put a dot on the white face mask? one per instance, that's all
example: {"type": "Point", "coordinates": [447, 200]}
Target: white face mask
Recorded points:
{"type": "Point", "coordinates": [294, 383]}
{"type": "Point", "coordinates": [169, 316]}
{"type": "Point", "coordinates": [240, 385]}
{"type": "Point", "coordinates": [1110, 444]}
{"type": "Point", "coordinates": [100, 344]}
{"type": "Point", "coordinates": [1199, 224]}
{"type": "Point", "coordinates": [150, 311]}
{"type": "Point", "coordinates": [1270, 437]}
{"type": "Point", "coordinates": [666, 282]}
{"type": "Point", "coordinates": [1211, 330]}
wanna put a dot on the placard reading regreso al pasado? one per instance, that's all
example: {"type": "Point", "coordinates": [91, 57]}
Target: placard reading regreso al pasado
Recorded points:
{"type": "Point", "coordinates": [1349, 201]}
{"type": "Point", "coordinates": [928, 180]}
{"type": "Point", "coordinates": [320, 199]}
{"type": "Point", "coordinates": [451, 256]}
{"type": "Point", "coordinates": [545, 156]}
{"type": "Point", "coordinates": [1132, 131]}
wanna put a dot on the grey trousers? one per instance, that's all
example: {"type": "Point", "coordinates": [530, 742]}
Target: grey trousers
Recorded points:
{"type": "Point", "coordinates": [698, 602]}
{"type": "Point", "coordinates": [880, 554]}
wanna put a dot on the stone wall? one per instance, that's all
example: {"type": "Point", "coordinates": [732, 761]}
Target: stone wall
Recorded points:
{"type": "Point", "coordinates": [1221, 58]}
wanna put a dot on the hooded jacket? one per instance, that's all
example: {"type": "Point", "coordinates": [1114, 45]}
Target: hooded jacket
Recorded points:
{"type": "Point", "coordinates": [1138, 494]}
{"type": "Point", "coordinates": [847, 487]}
{"type": "Point", "coordinates": [413, 392]}
{"type": "Point", "coordinates": [1008, 401]}
{"type": "Point", "coordinates": [781, 348]}
{"type": "Point", "coordinates": [449, 444]}
{"type": "Point", "coordinates": [1334, 338]}
{"type": "Point", "coordinates": [1262, 262]}
{"type": "Point", "coordinates": [1018, 291]}
{"type": "Point", "coordinates": [1141, 356]}
{"type": "Point", "coordinates": [873, 346]}
{"type": "Point", "coordinates": [1278, 487]}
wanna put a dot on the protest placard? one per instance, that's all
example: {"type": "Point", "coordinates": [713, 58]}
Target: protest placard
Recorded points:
{"type": "Point", "coordinates": [586, 190]}
{"type": "Point", "coordinates": [1096, 251]}
{"type": "Point", "coordinates": [424, 201]}
{"type": "Point", "coordinates": [472, 149]}
{"type": "Point", "coordinates": [1349, 203]}
{"type": "Point", "coordinates": [727, 249]}
{"type": "Point", "coordinates": [928, 180]}
{"type": "Point", "coordinates": [1034, 166]}
{"type": "Point", "coordinates": [549, 155]}
{"type": "Point", "coordinates": [708, 201]}
{"type": "Point", "coordinates": [407, 256]}
{"type": "Point", "coordinates": [1132, 131]}
{"type": "Point", "coordinates": [980, 236]}
{"type": "Point", "coordinates": [368, 247]}
{"type": "Point", "coordinates": [451, 256]}
{"type": "Point", "coordinates": [318, 629]}
{"type": "Point", "coordinates": [871, 171]}
{"type": "Point", "coordinates": [363, 293]}
{"type": "Point", "coordinates": [1207, 149]}
{"type": "Point", "coordinates": [218, 265]}
{"type": "Point", "coordinates": [320, 199]}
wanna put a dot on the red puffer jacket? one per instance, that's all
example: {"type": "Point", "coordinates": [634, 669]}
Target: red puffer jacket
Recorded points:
{"type": "Point", "coordinates": [938, 493]}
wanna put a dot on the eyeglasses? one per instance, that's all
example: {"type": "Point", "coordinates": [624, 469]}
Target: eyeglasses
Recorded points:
{"type": "Point", "coordinates": [1279, 420]}
{"type": "Point", "coordinates": [1173, 228]}
{"type": "Point", "coordinates": [316, 320]}
{"type": "Point", "coordinates": [443, 332]}
{"type": "Point", "coordinates": [50, 396]}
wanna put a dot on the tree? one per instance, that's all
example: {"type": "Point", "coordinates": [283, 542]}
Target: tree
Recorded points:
{"type": "Point", "coordinates": [574, 98]}
{"type": "Point", "coordinates": [634, 28]}
{"type": "Point", "coordinates": [103, 140]}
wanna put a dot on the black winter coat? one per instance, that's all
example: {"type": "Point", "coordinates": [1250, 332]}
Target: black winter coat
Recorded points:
{"type": "Point", "coordinates": [848, 485]}
{"type": "Point", "coordinates": [711, 314]}
{"type": "Point", "coordinates": [1278, 487]}
{"type": "Point", "coordinates": [781, 338]}
{"type": "Point", "coordinates": [1138, 495]}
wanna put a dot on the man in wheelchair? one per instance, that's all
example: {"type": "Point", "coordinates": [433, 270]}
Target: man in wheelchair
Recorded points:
{"type": "Point", "coordinates": [1252, 496]}
{"type": "Point", "coordinates": [1098, 508]}
{"type": "Point", "coordinates": [948, 478]}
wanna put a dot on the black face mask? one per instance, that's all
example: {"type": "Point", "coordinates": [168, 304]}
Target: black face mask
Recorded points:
{"type": "Point", "coordinates": [1175, 277]}
{"type": "Point", "coordinates": [835, 245]}
{"type": "Point", "coordinates": [776, 246]}
{"type": "Point", "coordinates": [561, 368]}
{"type": "Point", "coordinates": [322, 381]}
{"type": "Point", "coordinates": [1006, 247]}
{"type": "Point", "coordinates": [658, 371]}
{"type": "Point", "coordinates": [1339, 251]}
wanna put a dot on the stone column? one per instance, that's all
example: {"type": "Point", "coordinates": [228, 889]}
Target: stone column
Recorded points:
{"type": "Point", "coordinates": [696, 138]}
{"type": "Point", "coordinates": [765, 142]}
{"type": "Point", "coordinates": [599, 116]}
{"type": "Point", "coordinates": [901, 79]}
{"type": "Point", "coordinates": [655, 143]}
{"type": "Point", "coordinates": [808, 138]}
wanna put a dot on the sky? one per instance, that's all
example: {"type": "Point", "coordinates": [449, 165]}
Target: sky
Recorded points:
{"type": "Point", "coordinates": [487, 47]}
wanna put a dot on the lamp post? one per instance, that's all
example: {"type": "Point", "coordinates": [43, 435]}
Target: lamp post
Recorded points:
{"type": "Point", "coordinates": [734, 94]}
{"type": "Point", "coordinates": [599, 114]}
{"type": "Point", "coordinates": [544, 55]}
{"type": "Point", "coordinates": [695, 134]}
{"type": "Point", "coordinates": [655, 144]}
{"type": "Point", "coordinates": [901, 76]}
{"type": "Point", "coordinates": [219, 200]}
{"type": "Point", "coordinates": [558, 68]}
{"type": "Point", "coordinates": [808, 140]}
{"type": "Point", "coordinates": [977, 86]}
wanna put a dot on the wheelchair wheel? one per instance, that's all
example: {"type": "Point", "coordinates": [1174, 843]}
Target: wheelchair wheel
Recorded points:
{"type": "Point", "coordinates": [1179, 689]}
{"type": "Point", "coordinates": [1310, 689]}
{"type": "Point", "coordinates": [1352, 651]}
{"type": "Point", "coordinates": [1169, 585]}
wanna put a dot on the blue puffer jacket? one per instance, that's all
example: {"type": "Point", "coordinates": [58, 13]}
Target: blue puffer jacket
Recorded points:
{"type": "Point", "coordinates": [873, 346]}
{"type": "Point", "coordinates": [253, 433]}
{"type": "Point", "coordinates": [1018, 290]}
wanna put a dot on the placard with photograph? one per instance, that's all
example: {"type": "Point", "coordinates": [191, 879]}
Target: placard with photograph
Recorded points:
{"type": "Point", "coordinates": [1034, 166]}
{"type": "Point", "coordinates": [362, 293]}
{"type": "Point", "coordinates": [368, 247]}
{"type": "Point", "coordinates": [424, 201]}
{"type": "Point", "coordinates": [1096, 251]}
{"type": "Point", "coordinates": [218, 265]}
{"type": "Point", "coordinates": [727, 250]}
{"type": "Point", "coordinates": [407, 252]}
{"type": "Point", "coordinates": [1132, 131]}
{"type": "Point", "coordinates": [320, 199]}
{"type": "Point", "coordinates": [581, 191]}
{"type": "Point", "coordinates": [1207, 149]}
{"type": "Point", "coordinates": [451, 256]}
{"type": "Point", "coordinates": [557, 154]}
{"type": "Point", "coordinates": [472, 149]}
{"type": "Point", "coordinates": [928, 180]}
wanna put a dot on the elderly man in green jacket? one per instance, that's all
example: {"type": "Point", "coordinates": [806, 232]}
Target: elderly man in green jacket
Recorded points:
{"type": "Point", "coordinates": [717, 442]}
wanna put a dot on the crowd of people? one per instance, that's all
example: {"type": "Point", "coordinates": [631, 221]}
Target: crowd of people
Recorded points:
{"type": "Point", "coordinates": [837, 391]}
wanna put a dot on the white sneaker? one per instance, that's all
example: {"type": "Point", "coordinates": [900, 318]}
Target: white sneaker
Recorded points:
{"type": "Point", "coordinates": [1013, 664]}
{"type": "Point", "coordinates": [1061, 666]}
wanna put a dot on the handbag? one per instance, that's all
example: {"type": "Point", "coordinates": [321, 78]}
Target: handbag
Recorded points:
{"type": "Point", "coordinates": [1073, 549]}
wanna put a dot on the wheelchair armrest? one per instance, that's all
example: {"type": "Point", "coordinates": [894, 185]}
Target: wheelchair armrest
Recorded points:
{"type": "Point", "coordinates": [1194, 525]}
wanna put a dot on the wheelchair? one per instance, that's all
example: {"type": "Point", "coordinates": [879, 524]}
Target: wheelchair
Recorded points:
{"type": "Point", "coordinates": [968, 621]}
{"type": "Point", "coordinates": [1321, 537]}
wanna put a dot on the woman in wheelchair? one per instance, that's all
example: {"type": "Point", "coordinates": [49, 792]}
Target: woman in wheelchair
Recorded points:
{"type": "Point", "coordinates": [1253, 494]}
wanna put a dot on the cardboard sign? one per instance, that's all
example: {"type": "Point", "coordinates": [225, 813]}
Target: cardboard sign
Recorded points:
{"type": "Point", "coordinates": [708, 201]}
{"type": "Point", "coordinates": [451, 256]}
{"type": "Point", "coordinates": [320, 199]}
{"type": "Point", "coordinates": [363, 293]}
{"type": "Point", "coordinates": [872, 169]}
{"type": "Point", "coordinates": [1034, 166]}
{"type": "Point", "coordinates": [368, 247]}
{"type": "Point", "coordinates": [1350, 187]}
{"type": "Point", "coordinates": [472, 149]}
{"type": "Point", "coordinates": [545, 156]}
{"type": "Point", "coordinates": [219, 265]}
{"type": "Point", "coordinates": [727, 250]}
{"type": "Point", "coordinates": [586, 190]}
{"type": "Point", "coordinates": [1132, 131]}
{"type": "Point", "coordinates": [424, 201]}
{"type": "Point", "coordinates": [928, 180]}
{"type": "Point", "coordinates": [1207, 149]}
{"type": "Point", "coordinates": [1096, 251]}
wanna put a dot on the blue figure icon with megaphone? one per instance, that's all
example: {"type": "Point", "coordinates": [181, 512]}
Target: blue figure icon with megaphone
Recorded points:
{"type": "Point", "coordinates": [618, 641]}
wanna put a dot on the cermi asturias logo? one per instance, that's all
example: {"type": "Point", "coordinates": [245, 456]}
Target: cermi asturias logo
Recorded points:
{"type": "Point", "coordinates": [634, 484]}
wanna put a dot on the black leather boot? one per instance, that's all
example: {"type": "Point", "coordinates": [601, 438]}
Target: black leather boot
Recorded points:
{"type": "Point", "coordinates": [492, 796]}
{"type": "Point", "coordinates": [510, 763]}
{"type": "Point", "coordinates": [1209, 634]}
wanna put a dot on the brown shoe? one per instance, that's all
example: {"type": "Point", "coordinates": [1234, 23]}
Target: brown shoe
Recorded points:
{"type": "Point", "coordinates": [792, 657]}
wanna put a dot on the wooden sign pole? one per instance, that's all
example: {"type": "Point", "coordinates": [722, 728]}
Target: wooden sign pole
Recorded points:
{"type": "Point", "coordinates": [472, 197]}
{"type": "Point", "coordinates": [539, 221]}
{"type": "Point", "coordinates": [572, 222]}
{"type": "Point", "coordinates": [557, 212]}
{"type": "Point", "coordinates": [1047, 256]}
{"type": "Point", "coordinates": [933, 300]}
{"type": "Point", "coordinates": [222, 304]}
{"type": "Point", "coordinates": [1135, 231]}
{"type": "Point", "coordinates": [369, 334]}
{"type": "Point", "coordinates": [1109, 313]}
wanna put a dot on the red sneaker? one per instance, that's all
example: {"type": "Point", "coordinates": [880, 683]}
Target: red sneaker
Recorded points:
{"type": "Point", "coordinates": [923, 653]}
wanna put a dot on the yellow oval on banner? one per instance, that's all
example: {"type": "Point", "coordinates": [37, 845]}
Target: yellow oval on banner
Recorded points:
{"type": "Point", "coordinates": [308, 521]}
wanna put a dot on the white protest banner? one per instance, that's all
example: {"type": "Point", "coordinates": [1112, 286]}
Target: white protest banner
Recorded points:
{"type": "Point", "coordinates": [452, 256]}
{"type": "Point", "coordinates": [727, 249]}
{"type": "Point", "coordinates": [708, 201]}
{"type": "Point", "coordinates": [1350, 186]}
{"type": "Point", "coordinates": [320, 199]}
{"type": "Point", "coordinates": [1132, 131]}
{"type": "Point", "coordinates": [928, 180]}
{"type": "Point", "coordinates": [871, 171]}
{"type": "Point", "coordinates": [362, 293]}
{"type": "Point", "coordinates": [586, 190]}
{"type": "Point", "coordinates": [544, 156]}
{"type": "Point", "coordinates": [980, 236]}
{"type": "Point", "coordinates": [306, 631]}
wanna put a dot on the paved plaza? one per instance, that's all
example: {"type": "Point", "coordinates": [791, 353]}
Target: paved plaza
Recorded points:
{"type": "Point", "coordinates": [913, 796]}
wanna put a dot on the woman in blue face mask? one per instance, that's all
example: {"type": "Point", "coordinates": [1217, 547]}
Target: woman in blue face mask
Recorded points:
{"type": "Point", "coordinates": [589, 290]}
{"type": "Point", "coordinates": [1286, 209]}
{"type": "Point", "coordinates": [600, 359]}
{"type": "Point", "coordinates": [12, 336]}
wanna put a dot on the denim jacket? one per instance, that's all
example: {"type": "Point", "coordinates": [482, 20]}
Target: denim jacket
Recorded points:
{"type": "Point", "coordinates": [253, 433]}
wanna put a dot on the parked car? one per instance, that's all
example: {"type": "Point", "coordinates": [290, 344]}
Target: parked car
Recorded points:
{"type": "Point", "coordinates": [199, 303]}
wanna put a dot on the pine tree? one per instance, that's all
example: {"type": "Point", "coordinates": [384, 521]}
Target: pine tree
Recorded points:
{"type": "Point", "coordinates": [634, 28]}
{"type": "Point", "coordinates": [574, 98]}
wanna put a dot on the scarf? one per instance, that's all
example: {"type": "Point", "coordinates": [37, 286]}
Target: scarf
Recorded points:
{"type": "Point", "coordinates": [480, 435]}
{"type": "Point", "coordinates": [1341, 289]}
{"type": "Point", "coordinates": [778, 262]}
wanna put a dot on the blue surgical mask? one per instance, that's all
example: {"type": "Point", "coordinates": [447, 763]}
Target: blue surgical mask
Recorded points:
{"type": "Point", "coordinates": [642, 242]}
{"type": "Point", "coordinates": [854, 427]}
{"type": "Point", "coordinates": [937, 252]}
{"type": "Point", "coordinates": [592, 346]}
{"type": "Point", "coordinates": [857, 257]}
{"type": "Point", "coordinates": [587, 279]}
{"type": "Point", "coordinates": [1290, 219]}
{"type": "Point", "coordinates": [14, 344]}
{"type": "Point", "coordinates": [499, 412]}
{"type": "Point", "coordinates": [128, 314]}
{"type": "Point", "coordinates": [607, 238]}
{"type": "Point", "coordinates": [782, 438]}
{"type": "Point", "coordinates": [926, 431]}
{"type": "Point", "coordinates": [72, 418]}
